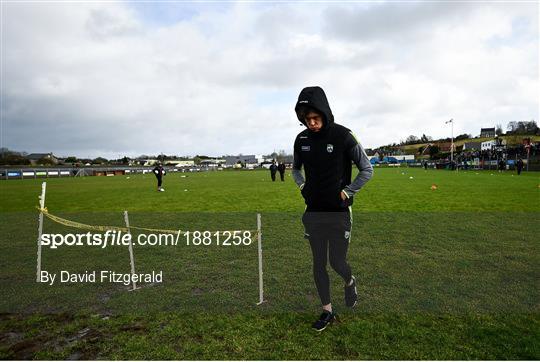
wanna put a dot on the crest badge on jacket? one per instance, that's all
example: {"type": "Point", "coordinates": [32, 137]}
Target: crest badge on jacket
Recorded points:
{"type": "Point", "coordinates": [329, 148]}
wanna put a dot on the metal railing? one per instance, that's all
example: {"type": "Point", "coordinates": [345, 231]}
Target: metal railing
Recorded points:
{"type": "Point", "coordinates": [59, 172]}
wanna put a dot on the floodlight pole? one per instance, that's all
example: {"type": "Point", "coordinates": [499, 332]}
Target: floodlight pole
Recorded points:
{"type": "Point", "coordinates": [40, 230]}
{"type": "Point", "coordinates": [528, 152]}
{"type": "Point", "coordinates": [451, 121]}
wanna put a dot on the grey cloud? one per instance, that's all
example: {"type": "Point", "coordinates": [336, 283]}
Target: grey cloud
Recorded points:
{"type": "Point", "coordinates": [391, 21]}
{"type": "Point", "coordinates": [102, 24]}
{"type": "Point", "coordinates": [96, 79]}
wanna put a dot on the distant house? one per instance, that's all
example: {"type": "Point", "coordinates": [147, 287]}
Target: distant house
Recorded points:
{"type": "Point", "coordinates": [35, 157]}
{"type": "Point", "coordinates": [487, 132]}
{"type": "Point", "coordinates": [488, 145]}
{"type": "Point", "coordinates": [212, 162]}
{"type": "Point", "coordinates": [469, 146]}
{"type": "Point", "coordinates": [150, 162]}
{"type": "Point", "coordinates": [244, 159]}
{"type": "Point", "coordinates": [491, 144]}
{"type": "Point", "coordinates": [179, 163]}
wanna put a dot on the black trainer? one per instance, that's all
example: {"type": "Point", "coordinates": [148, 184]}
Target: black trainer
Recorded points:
{"type": "Point", "coordinates": [324, 320]}
{"type": "Point", "coordinates": [351, 296]}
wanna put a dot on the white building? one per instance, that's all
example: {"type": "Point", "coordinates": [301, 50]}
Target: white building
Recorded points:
{"type": "Point", "coordinates": [150, 162]}
{"type": "Point", "coordinates": [489, 145]}
{"type": "Point", "coordinates": [176, 163]}
{"type": "Point", "coordinates": [213, 162]}
{"type": "Point", "coordinates": [180, 163]}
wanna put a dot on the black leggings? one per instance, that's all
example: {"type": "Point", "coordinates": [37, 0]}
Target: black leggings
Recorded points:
{"type": "Point", "coordinates": [159, 182]}
{"type": "Point", "coordinates": [329, 237]}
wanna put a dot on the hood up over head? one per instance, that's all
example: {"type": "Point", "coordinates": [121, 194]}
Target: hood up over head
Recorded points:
{"type": "Point", "coordinates": [313, 98]}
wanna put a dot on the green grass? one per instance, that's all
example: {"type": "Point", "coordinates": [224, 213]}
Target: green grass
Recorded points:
{"type": "Point", "coordinates": [450, 273]}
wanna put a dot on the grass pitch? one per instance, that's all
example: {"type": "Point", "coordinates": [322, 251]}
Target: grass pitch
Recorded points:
{"type": "Point", "coordinates": [450, 273]}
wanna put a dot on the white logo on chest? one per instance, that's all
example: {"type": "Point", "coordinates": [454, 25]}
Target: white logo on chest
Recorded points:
{"type": "Point", "coordinates": [329, 148]}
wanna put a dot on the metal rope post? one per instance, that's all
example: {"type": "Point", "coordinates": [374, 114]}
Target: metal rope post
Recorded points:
{"type": "Point", "coordinates": [131, 258]}
{"type": "Point", "coordinates": [40, 230]}
{"type": "Point", "coordinates": [259, 239]}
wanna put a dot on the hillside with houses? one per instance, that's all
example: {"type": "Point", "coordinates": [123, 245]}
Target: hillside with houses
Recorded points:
{"type": "Point", "coordinates": [522, 140]}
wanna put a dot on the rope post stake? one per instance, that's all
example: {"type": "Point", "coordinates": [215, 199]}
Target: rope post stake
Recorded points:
{"type": "Point", "coordinates": [40, 231]}
{"type": "Point", "coordinates": [131, 258]}
{"type": "Point", "coordinates": [259, 240]}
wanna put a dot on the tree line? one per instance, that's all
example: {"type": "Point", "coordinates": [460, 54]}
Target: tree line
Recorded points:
{"type": "Point", "coordinates": [513, 128]}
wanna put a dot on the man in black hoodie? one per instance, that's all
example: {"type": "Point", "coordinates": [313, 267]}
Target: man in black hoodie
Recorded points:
{"type": "Point", "coordinates": [327, 150]}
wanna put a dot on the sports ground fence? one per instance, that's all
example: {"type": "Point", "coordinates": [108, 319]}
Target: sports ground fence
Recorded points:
{"type": "Point", "coordinates": [44, 212]}
{"type": "Point", "coordinates": [63, 172]}
{"type": "Point", "coordinates": [35, 173]}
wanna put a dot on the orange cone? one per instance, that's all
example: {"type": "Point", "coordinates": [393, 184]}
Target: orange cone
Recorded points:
{"type": "Point", "coordinates": [434, 187]}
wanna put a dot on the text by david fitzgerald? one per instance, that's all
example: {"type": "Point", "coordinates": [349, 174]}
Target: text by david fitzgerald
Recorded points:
{"type": "Point", "coordinates": [100, 276]}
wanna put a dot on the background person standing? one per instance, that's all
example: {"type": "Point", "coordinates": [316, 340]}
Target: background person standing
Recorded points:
{"type": "Point", "coordinates": [159, 171]}
{"type": "Point", "coordinates": [519, 166]}
{"type": "Point", "coordinates": [273, 169]}
{"type": "Point", "coordinates": [281, 169]}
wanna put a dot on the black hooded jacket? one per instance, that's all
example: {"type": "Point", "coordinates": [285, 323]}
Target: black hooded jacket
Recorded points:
{"type": "Point", "coordinates": [327, 157]}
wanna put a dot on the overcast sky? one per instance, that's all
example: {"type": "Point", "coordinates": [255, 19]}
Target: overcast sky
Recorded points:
{"type": "Point", "coordinates": [130, 78]}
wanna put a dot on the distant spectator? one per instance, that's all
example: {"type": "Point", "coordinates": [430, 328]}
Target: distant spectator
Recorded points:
{"type": "Point", "coordinates": [159, 172]}
{"type": "Point", "coordinates": [281, 169]}
{"type": "Point", "coordinates": [519, 166]}
{"type": "Point", "coordinates": [502, 165]}
{"type": "Point", "coordinates": [273, 169]}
